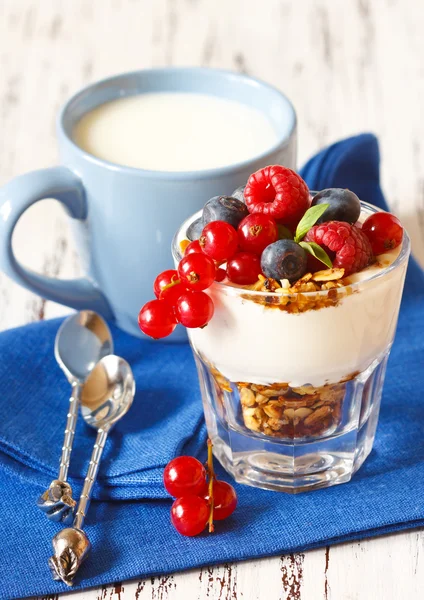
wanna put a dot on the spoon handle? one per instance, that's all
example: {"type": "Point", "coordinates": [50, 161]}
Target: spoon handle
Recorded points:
{"type": "Point", "coordinates": [84, 501]}
{"type": "Point", "coordinates": [69, 431]}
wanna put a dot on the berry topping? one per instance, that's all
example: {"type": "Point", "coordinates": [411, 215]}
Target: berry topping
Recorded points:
{"type": "Point", "coordinates": [224, 500]}
{"type": "Point", "coordinates": [193, 248]}
{"type": "Point", "coordinates": [384, 232]}
{"type": "Point", "coordinates": [157, 319]}
{"type": "Point", "coordinates": [164, 279]}
{"type": "Point", "coordinates": [189, 515]}
{"type": "Point", "coordinates": [239, 193]}
{"type": "Point", "coordinates": [220, 275]}
{"type": "Point", "coordinates": [349, 243]}
{"type": "Point", "coordinates": [224, 208]}
{"type": "Point", "coordinates": [244, 268]}
{"type": "Point", "coordinates": [219, 240]}
{"type": "Point", "coordinates": [284, 259]}
{"type": "Point", "coordinates": [197, 271]}
{"type": "Point", "coordinates": [201, 498]}
{"type": "Point", "coordinates": [344, 205]}
{"type": "Point", "coordinates": [278, 192]}
{"type": "Point", "coordinates": [172, 292]}
{"type": "Point", "coordinates": [183, 476]}
{"type": "Point", "coordinates": [194, 231]}
{"type": "Point", "coordinates": [194, 309]}
{"type": "Point", "coordinates": [256, 232]}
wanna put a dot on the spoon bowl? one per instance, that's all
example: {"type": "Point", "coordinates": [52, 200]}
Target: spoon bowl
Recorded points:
{"type": "Point", "coordinates": [82, 340]}
{"type": "Point", "coordinates": [107, 393]}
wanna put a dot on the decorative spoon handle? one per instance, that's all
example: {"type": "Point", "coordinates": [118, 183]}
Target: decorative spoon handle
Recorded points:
{"type": "Point", "coordinates": [57, 501]}
{"type": "Point", "coordinates": [70, 431]}
{"type": "Point", "coordinates": [93, 469]}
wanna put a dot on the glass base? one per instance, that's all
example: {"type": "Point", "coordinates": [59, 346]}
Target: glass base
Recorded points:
{"type": "Point", "coordinates": [291, 459]}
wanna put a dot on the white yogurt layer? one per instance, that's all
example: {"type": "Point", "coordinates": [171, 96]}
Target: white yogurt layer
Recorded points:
{"type": "Point", "coordinates": [251, 342]}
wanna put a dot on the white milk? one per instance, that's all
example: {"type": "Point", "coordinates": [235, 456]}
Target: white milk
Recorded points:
{"type": "Point", "coordinates": [174, 131]}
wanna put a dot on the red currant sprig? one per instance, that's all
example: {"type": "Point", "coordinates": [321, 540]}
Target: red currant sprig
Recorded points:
{"type": "Point", "coordinates": [180, 295]}
{"type": "Point", "coordinates": [198, 502]}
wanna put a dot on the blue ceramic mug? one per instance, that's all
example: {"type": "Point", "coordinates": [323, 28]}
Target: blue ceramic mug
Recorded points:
{"type": "Point", "coordinates": [124, 218]}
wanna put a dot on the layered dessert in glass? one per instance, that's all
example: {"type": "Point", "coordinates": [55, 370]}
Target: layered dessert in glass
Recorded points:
{"type": "Point", "coordinates": [292, 368]}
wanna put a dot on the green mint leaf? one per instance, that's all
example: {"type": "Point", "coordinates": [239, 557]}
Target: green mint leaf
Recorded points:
{"type": "Point", "coordinates": [318, 252]}
{"type": "Point", "coordinates": [308, 220]}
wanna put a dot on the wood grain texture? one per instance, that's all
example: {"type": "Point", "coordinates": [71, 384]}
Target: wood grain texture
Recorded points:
{"type": "Point", "coordinates": [348, 66]}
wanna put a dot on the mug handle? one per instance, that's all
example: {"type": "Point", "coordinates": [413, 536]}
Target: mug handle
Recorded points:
{"type": "Point", "coordinates": [18, 195]}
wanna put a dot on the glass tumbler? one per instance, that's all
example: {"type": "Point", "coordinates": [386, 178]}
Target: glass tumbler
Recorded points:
{"type": "Point", "coordinates": [291, 385]}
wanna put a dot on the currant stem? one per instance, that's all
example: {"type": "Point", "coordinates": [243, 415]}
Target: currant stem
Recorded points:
{"type": "Point", "coordinates": [211, 480]}
{"type": "Point", "coordinates": [171, 284]}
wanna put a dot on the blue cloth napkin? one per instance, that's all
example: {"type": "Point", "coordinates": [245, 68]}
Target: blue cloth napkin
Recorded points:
{"type": "Point", "coordinates": [166, 418]}
{"type": "Point", "coordinates": [134, 538]}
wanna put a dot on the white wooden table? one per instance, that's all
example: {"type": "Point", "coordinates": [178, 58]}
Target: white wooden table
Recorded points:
{"type": "Point", "coordinates": [348, 66]}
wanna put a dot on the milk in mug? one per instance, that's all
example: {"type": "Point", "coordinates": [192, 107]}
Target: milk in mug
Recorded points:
{"type": "Point", "coordinates": [175, 131]}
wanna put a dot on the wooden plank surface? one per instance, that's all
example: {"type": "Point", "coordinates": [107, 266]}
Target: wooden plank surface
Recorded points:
{"type": "Point", "coordinates": [348, 66]}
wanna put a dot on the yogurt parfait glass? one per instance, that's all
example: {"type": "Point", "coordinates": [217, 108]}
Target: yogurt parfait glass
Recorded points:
{"type": "Point", "coordinates": [291, 384]}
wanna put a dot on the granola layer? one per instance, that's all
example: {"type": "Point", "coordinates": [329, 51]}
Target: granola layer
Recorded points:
{"type": "Point", "coordinates": [279, 410]}
{"type": "Point", "coordinates": [291, 412]}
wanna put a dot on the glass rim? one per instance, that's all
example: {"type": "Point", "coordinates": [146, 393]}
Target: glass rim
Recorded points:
{"type": "Point", "coordinates": [221, 286]}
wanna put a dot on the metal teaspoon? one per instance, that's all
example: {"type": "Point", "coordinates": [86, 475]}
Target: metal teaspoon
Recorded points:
{"type": "Point", "coordinates": [106, 397]}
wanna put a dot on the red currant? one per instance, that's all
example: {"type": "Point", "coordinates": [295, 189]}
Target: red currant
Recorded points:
{"type": "Point", "coordinates": [256, 232]}
{"type": "Point", "coordinates": [194, 309]}
{"type": "Point", "coordinates": [384, 232]}
{"type": "Point", "coordinates": [244, 268]}
{"type": "Point", "coordinates": [172, 293]}
{"type": "Point", "coordinates": [189, 515]}
{"type": "Point", "coordinates": [185, 475]}
{"type": "Point", "coordinates": [197, 271]}
{"type": "Point", "coordinates": [193, 247]}
{"type": "Point", "coordinates": [157, 319]}
{"type": "Point", "coordinates": [220, 275]}
{"type": "Point", "coordinates": [219, 240]}
{"type": "Point", "coordinates": [224, 500]}
{"type": "Point", "coordinates": [164, 279]}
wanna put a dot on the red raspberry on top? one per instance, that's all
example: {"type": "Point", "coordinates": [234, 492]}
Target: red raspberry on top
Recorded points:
{"type": "Point", "coordinates": [351, 246]}
{"type": "Point", "coordinates": [278, 192]}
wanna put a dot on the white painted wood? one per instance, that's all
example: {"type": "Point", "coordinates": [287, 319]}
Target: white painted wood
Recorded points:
{"type": "Point", "coordinates": [348, 66]}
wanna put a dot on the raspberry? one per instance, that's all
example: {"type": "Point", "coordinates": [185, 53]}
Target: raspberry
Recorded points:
{"type": "Point", "coordinates": [277, 192]}
{"type": "Point", "coordinates": [350, 244]}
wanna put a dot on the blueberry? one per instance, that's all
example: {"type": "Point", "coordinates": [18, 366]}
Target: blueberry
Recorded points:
{"type": "Point", "coordinates": [194, 230]}
{"type": "Point", "coordinates": [344, 205]}
{"type": "Point", "coordinates": [284, 259]}
{"type": "Point", "coordinates": [224, 208]}
{"type": "Point", "coordinates": [239, 193]}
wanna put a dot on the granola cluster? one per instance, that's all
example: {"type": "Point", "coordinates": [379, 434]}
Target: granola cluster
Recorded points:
{"type": "Point", "coordinates": [282, 411]}
{"type": "Point", "coordinates": [298, 297]}
{"type": "Point", "coordinates": [279, 410]}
